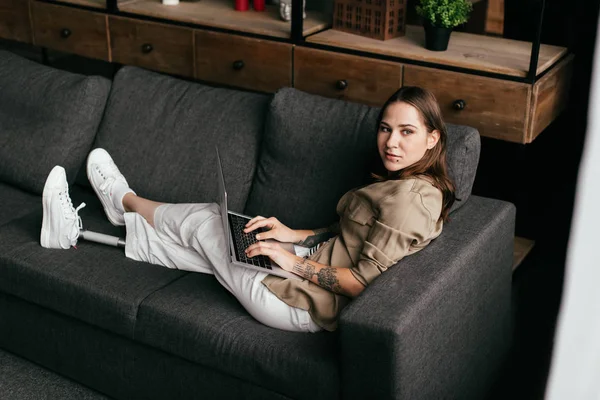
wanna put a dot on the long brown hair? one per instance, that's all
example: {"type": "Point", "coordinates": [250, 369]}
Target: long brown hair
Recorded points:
{"type": "Point", "coordinates": [433, 163]}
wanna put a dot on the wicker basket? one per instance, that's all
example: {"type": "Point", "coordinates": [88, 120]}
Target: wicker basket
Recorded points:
{"type": "Point", "coordinates": [377, 19]}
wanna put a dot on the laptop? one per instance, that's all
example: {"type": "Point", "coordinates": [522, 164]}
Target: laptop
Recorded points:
{"type": "Point", "coordinates": [238, 241]}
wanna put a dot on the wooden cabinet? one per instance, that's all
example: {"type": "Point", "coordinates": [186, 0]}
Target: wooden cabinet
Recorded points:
{"type": "Point", "coordinates": [14, 20]}
{"type": "Point", "coordinates": [497, 108]}
{"type": "Point", "coordinates": [550, 97]}
{"type": "Point", "coordinates": [151, 45]}
{"type": "Point", "coordinates": [501, 109]}
{"type": "Point", "coordinates": [494, 92]}
{"type": "Point", "coordinates": [344, 76]}
{"type": "Point", "coordinates": [71, 30]}
{"type": "Point", "coordinates": [248, 63]}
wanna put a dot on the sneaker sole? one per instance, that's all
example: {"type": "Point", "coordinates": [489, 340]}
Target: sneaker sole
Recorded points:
{"type": "Point", "coordinates": [108, 211]}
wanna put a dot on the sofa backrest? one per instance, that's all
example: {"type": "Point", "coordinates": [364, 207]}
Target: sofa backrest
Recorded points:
{"type": "Point", "coordinates": [48, 117]}
{"type": "Point", "coordinates": [315, 149]}
{"type": "Point", "coordinates": [162, 132]}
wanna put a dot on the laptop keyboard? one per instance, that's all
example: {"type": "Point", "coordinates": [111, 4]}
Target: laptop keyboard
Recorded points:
{"type": "Point", "coordinates": [242, 240]}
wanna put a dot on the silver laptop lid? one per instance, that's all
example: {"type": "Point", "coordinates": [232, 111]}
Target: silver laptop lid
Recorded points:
{"type": "Point", "coordinates": [223, 200]}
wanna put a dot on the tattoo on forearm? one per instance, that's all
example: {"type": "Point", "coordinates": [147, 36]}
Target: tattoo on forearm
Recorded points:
{"type": "Point", "coordinates": [304, 269]}
{"type": "Point", "coordinates": [328, 279]}
{"type": "Point", "coordinates": [320, 235]}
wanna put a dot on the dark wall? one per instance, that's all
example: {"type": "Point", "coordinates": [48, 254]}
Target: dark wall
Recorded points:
{"type": "Point", "coordinates": [540, 178]}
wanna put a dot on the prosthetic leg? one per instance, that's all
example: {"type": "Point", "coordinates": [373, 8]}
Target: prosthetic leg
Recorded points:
{"type": "Point", "coordinates": [102, 238]}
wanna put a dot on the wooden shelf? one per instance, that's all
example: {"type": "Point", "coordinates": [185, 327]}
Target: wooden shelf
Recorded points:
{"type": "Point", "coordinates": [99, 4]}
{"type": "Point", "coordinates": [522, 247]}
{"type": "Point", "coordinates": [221, 14]}
{"type": "Point", "coordinates": [466, 50]}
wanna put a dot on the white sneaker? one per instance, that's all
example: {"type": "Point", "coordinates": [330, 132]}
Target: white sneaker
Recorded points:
{"type": "Point", "coordinates": [61, 222]}
{"type": "Point", "coordinates": [109, 184]}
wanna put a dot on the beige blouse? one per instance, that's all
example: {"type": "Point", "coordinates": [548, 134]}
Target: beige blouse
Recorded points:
{"type": "Point", "coordinates": [379, 225]}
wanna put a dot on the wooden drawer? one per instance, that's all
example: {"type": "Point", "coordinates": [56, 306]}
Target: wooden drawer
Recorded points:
{"type": "Point", "coordinates": [550, 97]}
{"type": "Point", "coordinates": [497, 108]}
{"type": "Point", "coordinates": [346, 77]}
{"type": "Point", "coordinates": [248, 63]}
{"type": "Point", "coordinates": [70, 30]}
{"type": "Point", "coordinates": [151, 45]}
{"type": "Point", "coordinates": [14, 20]}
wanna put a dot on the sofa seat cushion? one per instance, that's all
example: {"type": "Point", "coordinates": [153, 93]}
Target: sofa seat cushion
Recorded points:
{"type": "Point", "coordinates": [16, 203]}
{"type": "Point", "coordinates": [162, 133]}
{"type": "Point", "coordinates": [315, 149]}
{"type": "Point", "coordinates": [47, 117]}
{"type": "Point", "coordinates": [198, 320]}
{"type": "Point", "coordinates": [94, 283]}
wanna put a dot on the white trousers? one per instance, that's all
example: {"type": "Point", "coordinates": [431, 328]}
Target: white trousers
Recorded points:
{"type": "Point", "coordinates": [190, 237]}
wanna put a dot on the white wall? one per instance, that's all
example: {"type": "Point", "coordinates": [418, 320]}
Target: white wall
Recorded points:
{"type": "Point", "coordinates": [575, 368]}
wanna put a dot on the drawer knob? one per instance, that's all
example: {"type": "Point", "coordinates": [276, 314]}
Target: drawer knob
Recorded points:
{"type": "Point", "coordinates": [65, 33]}
{"type": "Point", "coordinates": [147, 48]}
{"type": "Point", "coordinates": [342, 84]}
{"type": "Point", "coordinates": [459, 104]}
{"type": "Point", "coordinates": [239, 64]}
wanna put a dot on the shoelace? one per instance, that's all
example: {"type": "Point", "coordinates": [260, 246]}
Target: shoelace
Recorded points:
{"type": "Point", "coordinates": [71, 213]}
{"type": "Point", "coordinates": [113, 173]}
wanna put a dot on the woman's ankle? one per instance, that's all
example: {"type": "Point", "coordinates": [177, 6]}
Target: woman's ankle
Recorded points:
{"type": "Point", "coordinates": [129, 202]}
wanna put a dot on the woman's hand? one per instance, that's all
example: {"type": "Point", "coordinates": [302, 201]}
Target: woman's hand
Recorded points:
{"type": "Point", "coordinates": [275, 252]}
{"type": "Point", "coordinates": [277, 230]}
{"type": "Point", "coordinates": [335, 279]}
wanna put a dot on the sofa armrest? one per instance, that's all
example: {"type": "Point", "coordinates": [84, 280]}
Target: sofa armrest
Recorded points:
{"type": "Point", "coordinates": [438, 324]}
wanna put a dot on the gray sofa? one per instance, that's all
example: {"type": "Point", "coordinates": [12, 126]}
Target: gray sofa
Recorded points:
{"type": "Point", "coordinates": [437, 325]}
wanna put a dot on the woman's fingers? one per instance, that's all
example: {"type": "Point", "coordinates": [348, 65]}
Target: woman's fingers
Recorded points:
{"type": "Point", "coordinates": [259, 223]}
{"type": "Point", "coordinates": [254, 223]}
{"type": "Point", "coordinates": [270, 234]}
{"type": "Point", "coordinates": [262, 248]}
{"type": "Point", "coordinates": [253, 220]}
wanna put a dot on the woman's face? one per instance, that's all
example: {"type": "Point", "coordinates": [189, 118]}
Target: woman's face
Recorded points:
{"type": "Point", "coordinates": [402, 138]}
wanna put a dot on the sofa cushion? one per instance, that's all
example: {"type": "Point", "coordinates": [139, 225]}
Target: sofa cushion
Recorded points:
{"type": "Point", "coordinates": [94, 283]}
{"type": "Point", "coordinates": [47, 117]}
{"type": "Point", "coordinates": [162, 133]}
{"type": "Point", "coordinates": [16, 203]}
{"type": "Point", "coordinates": [315, 149]}
{"type": "Point", "coordinates": [195, 318]}
{"type": "Point", "coordinates": [464, 147]}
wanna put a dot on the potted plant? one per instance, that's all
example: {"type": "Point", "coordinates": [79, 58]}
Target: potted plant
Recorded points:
{"type": "Point", "coordinates": [439, 18]}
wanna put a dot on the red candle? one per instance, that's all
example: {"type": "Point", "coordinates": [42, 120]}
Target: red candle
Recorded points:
{"type": "Point", "coordinates": [241, 5]}
{"type": "Point", "coordinates": [259, 5]}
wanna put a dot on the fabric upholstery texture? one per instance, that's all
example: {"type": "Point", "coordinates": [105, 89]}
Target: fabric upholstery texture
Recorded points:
{"type": "Point", "coordinates": [162, 134]}
{"type": "Point", "coordinates": [464, 148]}
{"type": "Point", "coordinates": [446, 307]}
{"type": "Point", "coordinates": [434, 325]}
{"type": "Point", "coordinates": [197, 319]}
{"type": "Point", "coordinates": [16, 203]}
{"type": "Point", "coordinates": [94, 283]}
{"type": "Point", "coordinates": [120, 367]}
{"type": "Point", "coordinates": [24, 380]}
{"type": "Point", "coordinates": [315, 149]}
{"type": "Point", "coordinates": [47, 117]}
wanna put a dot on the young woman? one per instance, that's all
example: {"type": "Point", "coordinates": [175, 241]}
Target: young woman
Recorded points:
{"type": "Point", "coordinates": [398, 214]}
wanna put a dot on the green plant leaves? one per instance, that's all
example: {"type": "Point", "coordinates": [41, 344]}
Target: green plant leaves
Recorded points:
{"type": "Point", "coordinates": [445, 13]}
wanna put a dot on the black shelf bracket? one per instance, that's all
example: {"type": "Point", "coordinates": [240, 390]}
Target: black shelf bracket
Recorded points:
{"type": "Point", "coordinates": [297, 21]}
{"type": "Point", "coordinates": [535, 48]}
